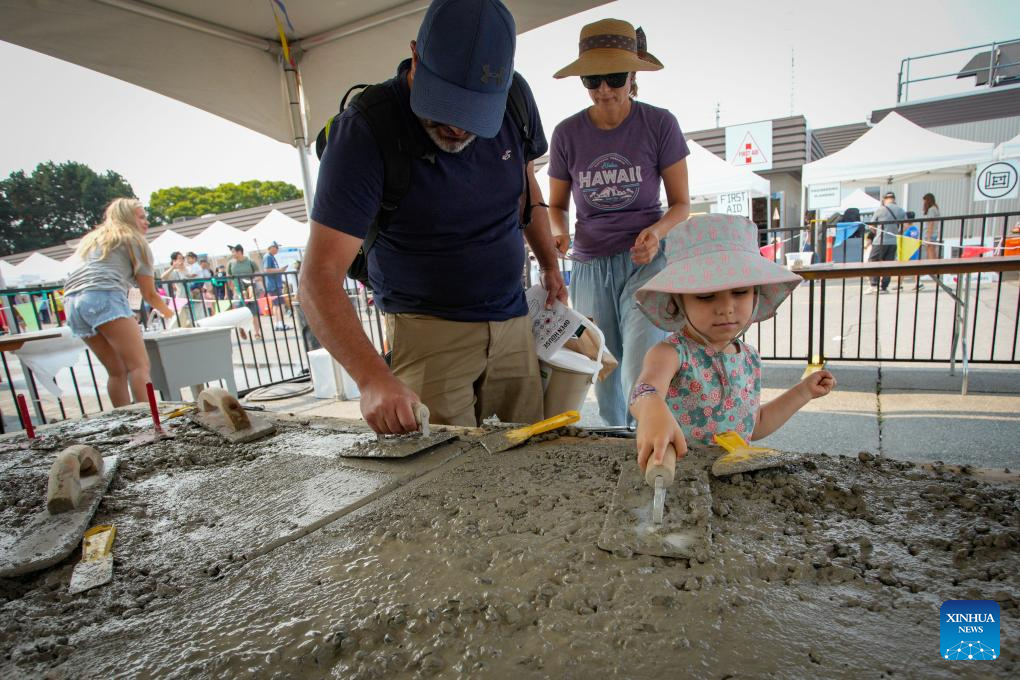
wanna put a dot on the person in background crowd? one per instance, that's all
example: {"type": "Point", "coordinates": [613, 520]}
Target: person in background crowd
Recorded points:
{"type": "Point", "coordinates": [240, 268]}
{"type": "Point", "coordinates": [274, 282]}
{"type": "Point", "coordinates": [219, 283]}
{"type": "Point", "coordinates": [931, 230]}
{"type": "Point", "coordinates": [175, 276]}
{"type": "Point", "coordinates": [613, 157]}
{"type": "Point", "coordinates": [194, 269]}
{"type": "Point", "coordinates": [883, 243]}
{"type": "Point", "coordinates": [115, 256]}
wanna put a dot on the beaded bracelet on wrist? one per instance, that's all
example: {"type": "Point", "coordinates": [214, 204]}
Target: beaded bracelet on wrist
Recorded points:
{"type": "Point", "coordinates": [641, 390]}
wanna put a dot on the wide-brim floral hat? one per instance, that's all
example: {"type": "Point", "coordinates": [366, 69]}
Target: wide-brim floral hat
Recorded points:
{"type": "Point", "coordinates": [707, 254]}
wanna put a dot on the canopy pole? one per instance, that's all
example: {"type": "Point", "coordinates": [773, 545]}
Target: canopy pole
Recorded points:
{"type": "Point", "coordinates": [295, 101]}
{"type": "Point", "coordinates": [306, 179]}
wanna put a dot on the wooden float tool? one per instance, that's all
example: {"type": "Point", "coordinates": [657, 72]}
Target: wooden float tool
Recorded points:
{"type": "Point", "coordinates": [219, 411]}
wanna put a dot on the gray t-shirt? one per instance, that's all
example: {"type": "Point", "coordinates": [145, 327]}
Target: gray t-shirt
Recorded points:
{"type": "Point", "coordinates": [931, 229]}
{"type": "Point", "coordinates": [888, 213]}
{"type": "Point", "coordinates": [113, 272]}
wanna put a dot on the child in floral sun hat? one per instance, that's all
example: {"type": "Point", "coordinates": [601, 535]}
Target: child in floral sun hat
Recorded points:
{"type": "Point", "coordinates": [704, 380]}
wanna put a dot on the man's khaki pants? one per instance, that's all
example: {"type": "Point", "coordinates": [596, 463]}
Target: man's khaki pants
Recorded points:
{"type": "Point", "coordinates": [465, 371]}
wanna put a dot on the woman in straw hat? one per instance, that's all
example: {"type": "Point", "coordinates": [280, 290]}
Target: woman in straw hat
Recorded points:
{"type": "Point", "coordinates": [115, 256]}
{"type": "Point", "coordinates": [704, 380]}
{"type": "Point", "coordinates": [611, 157]}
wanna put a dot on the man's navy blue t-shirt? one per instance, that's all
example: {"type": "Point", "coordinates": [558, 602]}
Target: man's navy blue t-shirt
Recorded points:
{"type": "Point", "coordinates": [454, 248]}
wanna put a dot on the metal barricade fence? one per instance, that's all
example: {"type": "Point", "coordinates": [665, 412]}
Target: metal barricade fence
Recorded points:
{"type": "Point", "coordinates": [918, 322]}
{"type": "Point", "coordinates": [835, 319]}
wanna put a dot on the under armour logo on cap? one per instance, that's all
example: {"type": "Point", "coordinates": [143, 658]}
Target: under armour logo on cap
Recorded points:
{"type": "Point", "coordinates": [487, 74]}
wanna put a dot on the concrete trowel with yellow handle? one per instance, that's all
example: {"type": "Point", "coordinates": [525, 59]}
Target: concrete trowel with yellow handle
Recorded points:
{"type": "Point", "coordinates": [219, 411]}
{"type": "Point", "coordinates": [742, 457]}
{"type": "Point", "coordinates": [506, 439]}
{"type": "Point", "coordinates": [401, 445]}
{"type": "Point", "coordinates": [665, 510]}
{"type": "Point", "coordinates": [96, 566]}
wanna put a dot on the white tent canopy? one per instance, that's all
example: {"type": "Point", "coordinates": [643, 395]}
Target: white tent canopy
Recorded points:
{"type": "Point", "coordinates": [710, 176]}
{"type": "Point", "coordinates": [8, 272]}
{"type": "Point", "coordinates": [1009, 149]}
{"type": "Point", "coordinates": [226, 57]}
{"type": "Point", "coordinates": [278, 227]}
{"type": "Point", "coordinates": [860, 200]}
{"type": "Point", "coordinates": [218, 238]}
{"type": "Point", "coordinates": [897, 151]}
{"type": "Point", "coordinates": [38, 268]}
{"type": "Point", "coordinates": [168, 242]}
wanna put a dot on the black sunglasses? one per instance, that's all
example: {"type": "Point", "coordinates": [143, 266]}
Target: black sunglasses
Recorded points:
{"type": "Point", "coordinates": [613, 80]}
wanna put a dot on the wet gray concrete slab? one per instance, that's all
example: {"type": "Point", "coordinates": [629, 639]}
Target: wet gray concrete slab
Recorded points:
{"type": "Point", "coordinates": [487, 567]}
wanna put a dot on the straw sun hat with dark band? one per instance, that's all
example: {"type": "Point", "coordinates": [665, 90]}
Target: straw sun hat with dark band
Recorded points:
{"type": "Point", "coordinates": [610, 46]}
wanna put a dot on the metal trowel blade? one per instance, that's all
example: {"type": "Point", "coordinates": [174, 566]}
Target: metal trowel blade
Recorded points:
{"type": "Point", "coordinates": [685, 530]}
{"type": "Point", "coordinates": [658, 500]}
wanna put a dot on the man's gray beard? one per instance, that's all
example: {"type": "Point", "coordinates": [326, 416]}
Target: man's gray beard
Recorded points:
{"type": "Point", "coordinates": [445, 144]}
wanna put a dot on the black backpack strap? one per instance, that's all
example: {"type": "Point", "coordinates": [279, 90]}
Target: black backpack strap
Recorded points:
{"type": "Point", "coordinates": [323, 137]}
{"type": "Point", "coordinates": [517, 105]}
{"type": "Point", "coordinates": [380, 106]}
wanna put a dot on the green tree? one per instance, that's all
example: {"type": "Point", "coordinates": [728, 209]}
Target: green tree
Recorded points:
{"type": "Point", "coordinates": [57, 202]}
{"type": "Point", "coordinates": [166, 205]}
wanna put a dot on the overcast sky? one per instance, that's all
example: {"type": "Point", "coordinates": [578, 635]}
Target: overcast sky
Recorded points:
{"type": "Point", "coordinates": [736, 53]}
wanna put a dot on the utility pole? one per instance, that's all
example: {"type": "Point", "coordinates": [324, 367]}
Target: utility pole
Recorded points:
{"type": "Point", "coordinates": [792, 73]}
{"type": "Point", "coordinates": [717, 114]}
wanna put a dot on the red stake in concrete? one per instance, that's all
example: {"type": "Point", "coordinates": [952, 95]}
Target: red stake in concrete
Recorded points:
{"type": "Point", "coordinates": [152, 406]}
{"type": "Point", "coordinates": [25, 418]}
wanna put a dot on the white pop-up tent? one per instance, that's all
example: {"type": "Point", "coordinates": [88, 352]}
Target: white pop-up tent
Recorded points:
{"type": "Point", "coordinates": [280, 228]}
{"type": "Point", "coordinates": [278, 68]}
{"type": "Point", "coordinates": [38, 268]}
{"type": "Point", "coordinates": [168, 242]}
{"type": "Point", "coordinates": [860, 200]}
{"type": "Point", "coordinates": [897, 151]}
{"type": "Point", "coordinates": [708, 176]}
{"type": "Point", "coordinates": [1008, 149]}
{"type": "Point", "coordinates": [218, 238]}
{"type": "Point", "coordinates": [8, 272]}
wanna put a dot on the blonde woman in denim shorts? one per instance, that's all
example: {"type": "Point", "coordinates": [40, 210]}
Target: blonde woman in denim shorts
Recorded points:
{"type": "Point", "coordinates": [115, 256]}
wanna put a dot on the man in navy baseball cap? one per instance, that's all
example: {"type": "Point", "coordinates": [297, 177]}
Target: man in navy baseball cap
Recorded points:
{"type": "Point", "coordinates": [425, 177]}
{"type": "Point", "coordinates": [463, 65]}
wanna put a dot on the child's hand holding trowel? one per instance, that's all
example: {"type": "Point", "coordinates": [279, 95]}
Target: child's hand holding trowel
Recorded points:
{"type": "Point", "coordinates": [656, 430]}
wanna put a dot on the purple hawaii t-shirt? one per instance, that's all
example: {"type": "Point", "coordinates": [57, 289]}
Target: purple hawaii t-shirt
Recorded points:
{"type": "Point", "coordinates": [614, 174]}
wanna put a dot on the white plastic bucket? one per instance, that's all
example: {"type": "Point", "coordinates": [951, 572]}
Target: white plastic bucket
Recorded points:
{"type": "Point", "coordinates": [566, 377]}
{"type": "Point", "coordinates": [329, 379]}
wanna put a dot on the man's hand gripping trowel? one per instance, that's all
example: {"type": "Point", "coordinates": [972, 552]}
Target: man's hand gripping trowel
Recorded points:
{"type": "Point", "coordinates": [402, 445]}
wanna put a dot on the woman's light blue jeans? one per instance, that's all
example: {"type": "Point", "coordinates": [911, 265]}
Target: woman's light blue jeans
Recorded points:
{"type": "Point", "coordinates": [603, 290]}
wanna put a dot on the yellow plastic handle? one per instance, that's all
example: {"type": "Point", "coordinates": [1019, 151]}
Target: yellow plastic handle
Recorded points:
{"type": "Point", "coordinates": [563, 419]}
{"type": "Point", "coordinates": [97, 542]}
{"type": "Point", "coordinates": [733, 442]}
